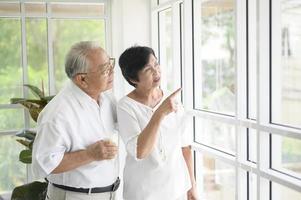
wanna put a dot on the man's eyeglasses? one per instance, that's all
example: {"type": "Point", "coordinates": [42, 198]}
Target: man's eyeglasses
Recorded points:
{"type": "Point", "coordinates": [107, 67]}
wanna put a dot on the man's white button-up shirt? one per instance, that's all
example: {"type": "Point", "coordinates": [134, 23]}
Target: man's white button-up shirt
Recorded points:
{"type": "Point", "coordinates": [72, 121]}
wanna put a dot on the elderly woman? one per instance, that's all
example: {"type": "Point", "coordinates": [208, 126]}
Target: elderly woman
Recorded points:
{"type": "Point", "coordinates": [159, 162]}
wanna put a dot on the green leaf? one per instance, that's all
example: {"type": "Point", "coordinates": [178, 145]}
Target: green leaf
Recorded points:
{"type": "Point", "coordinates": [48, 98]}
{"type": "Point", "coordinates": [16, 100]}
{"type": "Point", "coordinates": [31, 191]}
{"type": "Point", "coordinates": [25, 156]}
{"type": "Point", "coordinates": [24, 142]}
{"type": "Point", "coordinates": [35, 90]}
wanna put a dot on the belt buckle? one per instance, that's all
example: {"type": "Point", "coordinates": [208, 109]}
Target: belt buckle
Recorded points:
{"type": "Point", "coordinates": [116, 184]}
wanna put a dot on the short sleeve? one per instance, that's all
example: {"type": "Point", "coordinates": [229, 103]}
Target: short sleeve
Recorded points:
{"type": "Point", "coordinates": [48, 149]}
{"type": "Point", "coordinates": [129, 129]}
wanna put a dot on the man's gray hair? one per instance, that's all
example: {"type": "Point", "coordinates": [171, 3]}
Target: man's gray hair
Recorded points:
{"type": "Point", "coordinates": [77, 58]}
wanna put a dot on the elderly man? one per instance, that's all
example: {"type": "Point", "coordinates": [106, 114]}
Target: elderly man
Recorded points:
{"type": "Point", "coordinates": [72, 147]}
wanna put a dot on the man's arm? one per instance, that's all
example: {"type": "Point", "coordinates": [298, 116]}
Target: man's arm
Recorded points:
{"type": "Point", "coordinates": [101, 150]}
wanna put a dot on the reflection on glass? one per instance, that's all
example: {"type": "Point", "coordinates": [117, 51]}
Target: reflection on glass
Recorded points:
{"type": "Point", "coordinates": [65, 34]}
{"type": "Point", "coordinates": [216, 62]}
{"type": "Point", "coordinates": [10, 57]}
{"type": "Point", "coordinates": [252, 147]}
{"type": "Point", "coordinates": [165, 46]}
{"type": "Point", "coordinates": [286, 154]}
{"type": "Point", "coordinates": [13, 172]}
{"type": "Point", "coordinates": [252, 178]}
{"type": "Point", "coordinates": [280, 192]}
{"type": "Point", "coordinates": [216, 180]}
{"type": "Point", "coordinates": [215, 134]}
{"type": "Point", "coordinates": [11, 119]}
{"type": "Point", "coordinates": [286, 63]}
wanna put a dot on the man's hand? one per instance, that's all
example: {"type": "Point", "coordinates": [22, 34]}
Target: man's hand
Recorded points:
{"type": "Point", "coordinates": [102, 150]}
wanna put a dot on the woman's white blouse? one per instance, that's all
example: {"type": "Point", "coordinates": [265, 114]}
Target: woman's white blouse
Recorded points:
{"type": "Point", "coordinates": [163, 174]}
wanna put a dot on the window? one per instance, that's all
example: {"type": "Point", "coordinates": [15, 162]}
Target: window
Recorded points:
{"type": "Point", "coordinates": [286, 63]}
{"type": "Point", "coordinates": [216, 179]}
{"type": "Point", "coordinates": [240, 71]}
{"type": "Point", "coordinates": [214, 70]}
{"type": "Point", "coordinates": [34, 39]}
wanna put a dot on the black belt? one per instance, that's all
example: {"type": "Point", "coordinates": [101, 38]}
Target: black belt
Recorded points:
{"type": "Point", "coordinates": [110, 188]}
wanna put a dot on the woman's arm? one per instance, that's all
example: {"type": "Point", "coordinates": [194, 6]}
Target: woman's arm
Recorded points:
{"type": "Point", "coordinates": [147, 138]}
{"type": "Point", "coordinates": [192, 193]}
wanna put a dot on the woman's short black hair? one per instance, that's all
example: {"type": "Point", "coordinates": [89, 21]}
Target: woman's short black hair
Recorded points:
{"type": "Point", "coordinates": [134, 59]}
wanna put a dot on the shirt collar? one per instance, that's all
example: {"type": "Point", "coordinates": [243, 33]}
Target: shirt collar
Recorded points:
{"type": "Point", "coordinates": [82, 97]}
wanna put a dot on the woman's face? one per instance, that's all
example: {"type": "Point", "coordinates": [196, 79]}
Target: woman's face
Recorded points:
{"type": "Point", "coordinates": [150, 75]}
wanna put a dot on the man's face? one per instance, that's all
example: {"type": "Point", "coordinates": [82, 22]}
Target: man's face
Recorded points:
{"type": "Point", "coordinates": [100, 75]}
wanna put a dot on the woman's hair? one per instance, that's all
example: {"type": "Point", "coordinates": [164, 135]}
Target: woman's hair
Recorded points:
{"type": "Point", "coordinates": [132, 60]}
{"type": "Point", "coordinates": [77, 58]}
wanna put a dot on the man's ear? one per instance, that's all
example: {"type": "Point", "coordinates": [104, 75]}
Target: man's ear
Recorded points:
{"type": "Point", "coordinates": [80, 80]}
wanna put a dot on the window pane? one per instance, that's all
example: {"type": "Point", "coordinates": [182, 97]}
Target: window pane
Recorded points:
{"type": "Point", "coordinates": [36, 36]}
{"type": "Point", "coordinates": [77, 10]}
{"type": "Point", "coordinates": [286, 63]}
{"type": "Point", "coordinates": [13, 172]}
{"type": "Point", "coordinates": [252, 178]}
{"type": "Point", "coordinates": [280, 192]}
{"type": "Point", "coordinates": [35, 8]}
{"type": "Point", "coordinates": [286, 155]}
{"type": "Point", "coordinates": [165, 49]}
{"type": "Point", "coordinates": [252, 145]}
{"type": "Point", "coordinates": [162, 1]}
{"type": "Point", "coordinates": [68, 32]}
{"type": "Point", "coordinates": [214, 37]}
{"type": "Point", "coordinates": [10, 56]}
{"type": "Point", "coordinates": [215, 134]}
{"type": "Point", "coordinates": [252, 60]}
{"type": "Point", "coordinates": [216, 179]}
{"type": "Point", "coordinates": [10, 8]}
{"type": "Point", "coordinates": [11, 119]}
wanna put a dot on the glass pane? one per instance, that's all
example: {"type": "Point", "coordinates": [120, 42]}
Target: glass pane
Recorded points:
{"type": "Point", "coordinates": [215, 134]}
{"type": "Point", "coordinates": [13, 172]}
{"type": "Point", "coordinates": [10, 56]}
{"type": "Point", "coordinates": [162, 1]}
{"type": "Point", "coordinates": [154, 3]}
{"type": "Point", "coordinates": [165, 49]}
{"type": "Point", "coordinates": [286, 154]}
{"type": "Point", "coordinates": [77, 10]}
{"type": "Point", "coordinates": [35, 8]}
{"type": "Point", "coordinates": [10, 8]}
{"type": "Point", "coordinates": [214, 37]}
{"type": "Point", "coordinates": [252, 145]}
{"type": "Point", "coordinates": [280, 192]}
{"type": "Point", "coordinates": [286, 63]}
{"type": "Point", "coordinates": [216, 179]}
{"type": "Point", "coordinates": [36, 37]}
{"type": "Point", "coordinates": [11, 119]}
{"type": "Point", "coordinates": [252, 186]}
{"type": "Point", "coordinates": [252, 60]}
{"type": "Point", "coordinates": [68, 32]}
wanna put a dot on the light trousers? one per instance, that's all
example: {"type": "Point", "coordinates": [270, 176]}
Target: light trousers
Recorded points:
{"type": "Point", "coordinates": [54, 193]}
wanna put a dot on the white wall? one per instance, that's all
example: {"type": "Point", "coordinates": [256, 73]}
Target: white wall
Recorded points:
{"type": "Point", "coordinates": [130, 25]}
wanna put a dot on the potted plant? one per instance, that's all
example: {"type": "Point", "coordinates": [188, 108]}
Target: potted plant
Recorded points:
{"type": "Point", "coordinates": [35, 190]}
